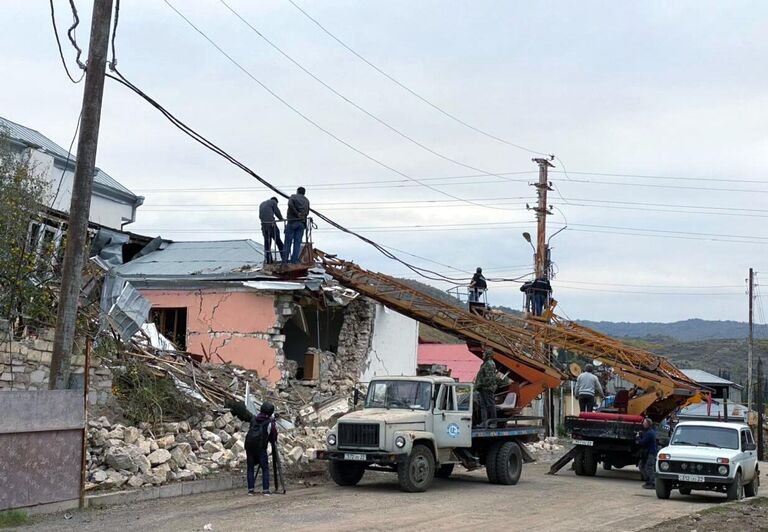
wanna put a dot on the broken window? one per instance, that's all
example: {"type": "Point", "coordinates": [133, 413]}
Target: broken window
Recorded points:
{"type": "Point", "coordinates": [171, 323]}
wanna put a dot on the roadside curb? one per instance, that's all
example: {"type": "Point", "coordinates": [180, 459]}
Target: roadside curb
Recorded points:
{"type": "Point", "coordinates": [221, 483]}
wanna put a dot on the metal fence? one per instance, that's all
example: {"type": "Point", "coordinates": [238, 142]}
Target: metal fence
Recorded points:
{"type": "Point", "coordinates": [41, 447]}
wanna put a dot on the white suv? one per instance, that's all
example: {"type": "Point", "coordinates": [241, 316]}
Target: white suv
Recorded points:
{"type": "Point", "coordinates": [711, 456]}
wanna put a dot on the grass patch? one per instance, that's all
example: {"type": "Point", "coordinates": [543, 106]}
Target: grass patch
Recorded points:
{"type": "Point", "coordinates": [13, 518]}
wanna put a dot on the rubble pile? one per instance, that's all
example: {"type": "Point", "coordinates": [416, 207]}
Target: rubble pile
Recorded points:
{"type": "Point", "coordinates": [547, 448]}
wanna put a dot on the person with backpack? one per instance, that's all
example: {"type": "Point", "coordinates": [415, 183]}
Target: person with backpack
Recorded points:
{"type": "Point", "coordinates": [261, 433]}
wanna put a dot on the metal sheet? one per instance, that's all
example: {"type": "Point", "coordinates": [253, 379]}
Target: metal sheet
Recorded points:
{"type": "Point", "coordinates": [33, 411]}
{"type": "Point", "coordinates": [39, 467]}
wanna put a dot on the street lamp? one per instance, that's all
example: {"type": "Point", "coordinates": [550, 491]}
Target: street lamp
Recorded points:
{"type": "Point", "coordinates": [527, 237]}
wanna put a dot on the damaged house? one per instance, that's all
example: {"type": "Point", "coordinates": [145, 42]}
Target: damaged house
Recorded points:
{"type": "Point", "coordinates": [213, 300]}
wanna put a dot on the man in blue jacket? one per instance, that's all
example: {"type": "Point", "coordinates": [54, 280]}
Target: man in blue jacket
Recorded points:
{"type": "Point", "coordinates": [647, 442]}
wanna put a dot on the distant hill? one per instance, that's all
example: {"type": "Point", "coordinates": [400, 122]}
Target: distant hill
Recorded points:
{"type": "Point", "coordinates": [685, 331]}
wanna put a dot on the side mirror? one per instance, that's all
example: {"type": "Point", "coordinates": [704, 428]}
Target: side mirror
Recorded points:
{"type": "Point", "coordinates": [750, 446]}
{"type": "Point", "coordinates": [356, 397]}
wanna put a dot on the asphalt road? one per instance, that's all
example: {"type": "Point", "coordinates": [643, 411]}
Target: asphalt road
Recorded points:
{"type": "Point", "coordinates": [612, 501]}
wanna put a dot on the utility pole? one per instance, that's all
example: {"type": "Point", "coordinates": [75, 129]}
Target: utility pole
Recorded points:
{"type": "Point", "coordinates": [542, 267]}
{"type": "Point", "coordinates": [542, 250]}
{"type": "Point", "coordinates": [80, 206]}
{"type": "Point", "coordinates": [750, 341]}
{"type": "Point", "coordinates": [760, 410]}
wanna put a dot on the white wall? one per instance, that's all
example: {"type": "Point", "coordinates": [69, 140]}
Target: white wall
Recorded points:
{"type": "Point", "coordinates": [104, 211]}
{"type": "Point", "coordinates": [394, 345]}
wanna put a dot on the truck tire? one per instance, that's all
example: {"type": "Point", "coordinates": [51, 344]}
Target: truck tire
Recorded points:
{"type": "Point", "coordinates": [509, 463]}
{"type": "Point", "coordinates": [663, 488]}
{"type": "Point", "coordinates": [735, 490]}
{"type": "Point", "coordinates": [590, 463]}
{"type": "Point", "coordinates": [346, 473]}
{"type": "Point", "coordinates": [418, 471]}
{"type": "Point", "coordinates": [444, 471]}
{"type": "Point", "coordinates": [490, 463]}
{"type": "Point", "coordinates": [578, 462]}
{"type": "Point", "coordinates": [750, 490]}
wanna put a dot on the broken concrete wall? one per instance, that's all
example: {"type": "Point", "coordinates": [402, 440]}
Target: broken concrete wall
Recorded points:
{"type": "Point", "coordinates": [356, 335]}
{"type": "Point", "coordinates": [242, 327]}
{"type": "Point", "coordinates": [394, 345]}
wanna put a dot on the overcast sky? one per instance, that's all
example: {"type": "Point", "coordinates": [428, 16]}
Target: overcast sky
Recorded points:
{"type": "Point", "coordinates": [663, 89]}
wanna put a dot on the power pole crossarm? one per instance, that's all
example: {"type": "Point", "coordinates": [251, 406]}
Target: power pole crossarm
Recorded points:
{"type": "Point", "coordinates": [80, 206]}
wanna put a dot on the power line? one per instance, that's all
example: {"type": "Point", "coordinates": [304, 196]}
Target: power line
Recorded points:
{"type": "Point", "coordinates": [197, 137]}
{"type": "Point", "coordinates": [413, 92]}
{"type": "Point", "coordinates": [61, 52]}
{"type": "Point", "coordinates": [307, 118]}
{"type": "Point", "coordinates": [351, 102]}
{"type": "Point", "coordinates": [667, 177]}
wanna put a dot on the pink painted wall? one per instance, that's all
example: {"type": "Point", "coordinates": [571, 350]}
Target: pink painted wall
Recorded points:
{"type": "Point", "coordinates": [226, 323]}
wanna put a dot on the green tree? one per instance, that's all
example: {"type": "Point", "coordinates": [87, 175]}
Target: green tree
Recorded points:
{"type": "Point", "coordinates": [27, 268]}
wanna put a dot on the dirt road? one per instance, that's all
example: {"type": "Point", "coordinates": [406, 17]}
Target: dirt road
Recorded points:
{"type": "Point", "coordinates": [613, 501]}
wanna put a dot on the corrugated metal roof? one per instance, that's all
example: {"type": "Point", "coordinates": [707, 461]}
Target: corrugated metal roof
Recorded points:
{"type": "Point", "coordinates": [703, 377]}
{"type": "Point", "coordinates": [35, 138]}
{"type": "Point", "coordinates": [196, 260]}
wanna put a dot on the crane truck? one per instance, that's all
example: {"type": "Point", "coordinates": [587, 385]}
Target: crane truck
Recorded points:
{"type": "Point", "coordinates": [521, 350]}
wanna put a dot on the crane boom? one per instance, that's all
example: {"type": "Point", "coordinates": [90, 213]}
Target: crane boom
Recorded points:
{"type": "Point", "coordinates": [519, 343]}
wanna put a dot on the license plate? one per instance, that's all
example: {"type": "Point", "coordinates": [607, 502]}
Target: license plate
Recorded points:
{"type": "Point", "coordinates": [691, 478]}
{"type": "Point", "coordinates": [355, 456]}
{"type": "Point", "coordinates": [588, 443]}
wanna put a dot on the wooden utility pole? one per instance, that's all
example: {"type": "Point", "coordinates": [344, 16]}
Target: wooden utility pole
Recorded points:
{"type": "Point", "coordinates": [542, 267]}
{"type": "Point", "coordinates": [750, 340]}
{"type": "Point", "coordinates": [542, 187]}
{"type": "Point", "coordinates": [80, 206]}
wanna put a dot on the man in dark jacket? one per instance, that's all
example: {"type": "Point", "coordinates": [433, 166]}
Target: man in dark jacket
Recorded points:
{"type": "Point", "coordinates": [262, 432]}
{"type": "Point", "coordinates": [477, 286]}
{"type": "Point", "coordinates": [541, 290]}
{"type": "Point", "coordinates": [647, 442]}
{"type": "Point", "coordinates": [485, 384]}
{"type": "Point", "coordinates": [298, 210]}
{"type": "Point", "coordinates": [269, 213]}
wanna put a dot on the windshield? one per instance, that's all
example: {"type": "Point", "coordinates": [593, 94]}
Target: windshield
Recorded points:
{"type": "Point", "coordinates": [399, 394]}
{"type": "Point", "coordinates": [700, 436]}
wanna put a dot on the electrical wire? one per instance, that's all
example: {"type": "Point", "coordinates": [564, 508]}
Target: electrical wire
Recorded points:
{"type": "Point", "coordinates": [73, 37]}
{"type": "Point", "coordinates": [305, 117]}
{"type": "Point", "coordinates": [113, 63]}
{"type": "Point", "coordinates": [66, 162]}
{"type": "Point", "coordinates": [351, 102]}
{"type": "Point", "coordinates": [413, 92]}
{"type": "Point", "coordinates": [200, 139]}
{"type": "Point", "coordinates": [61, 52]}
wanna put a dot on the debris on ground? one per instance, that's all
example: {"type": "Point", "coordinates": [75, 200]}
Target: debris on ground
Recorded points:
{"type": "Point", "coordinates": [750, 514]}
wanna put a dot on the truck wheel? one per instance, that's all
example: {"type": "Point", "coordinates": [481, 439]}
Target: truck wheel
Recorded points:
{"type": "Point", "coordinates": [418, 471]}
{"type": "Point", "coordinates": [444, 471]}
{"type": "Point", "coordinates": [590, 463]}
{"type": "Point", "coordinates": [509, 463]}
{"type": "Point", "coordinates": [490, 463]}
{"type": "Point", "coordinates": [750, 490]}
{"type": "Point", "coordinates": [578, 462]}
{"type": "Point", "coordinates": [684, 491]}
{"type": "Point", "coordinates": [663, 488]}
{"type": "Point", "coordinates": [346, 473]}
{"type": "Point", "coordinates": [735, 490]}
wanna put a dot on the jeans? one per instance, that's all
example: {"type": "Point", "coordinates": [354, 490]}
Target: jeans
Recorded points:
{"type": "Point", "coordinates": [294, 233]}
{"type": "Point", "coordinates": [586, 403]}
{"type": "Point", "coordinates": [253, 456]}
{"type": "Point", "coordinates": [271, 233]}
{"type": "Point", "coordinates": [539, 300]}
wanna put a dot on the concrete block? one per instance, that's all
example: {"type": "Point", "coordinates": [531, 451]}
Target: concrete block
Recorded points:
{"type": "Point", "coordinates": [171, 490]}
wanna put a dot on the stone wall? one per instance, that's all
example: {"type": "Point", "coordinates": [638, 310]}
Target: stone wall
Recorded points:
{"type": "Point", "coordinates": [25, 365]}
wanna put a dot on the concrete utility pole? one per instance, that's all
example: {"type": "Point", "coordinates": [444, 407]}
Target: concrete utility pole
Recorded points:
{"type": "Point", "coordinates": [542, 267]}
{"type": "Point", "coordinates": [542, 187]}
{"type": "Point", "coordinates": [750, 341]}
{"type": "Point", "coordinates": [760, 410]}
{"type": "Point", "coordinates": [80, 206]}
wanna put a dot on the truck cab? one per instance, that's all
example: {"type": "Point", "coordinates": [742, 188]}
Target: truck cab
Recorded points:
{"type": "Point", "coordinates": [421, 427]}
{"type": "Point", "coordinates": [710, 456]}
